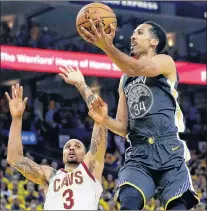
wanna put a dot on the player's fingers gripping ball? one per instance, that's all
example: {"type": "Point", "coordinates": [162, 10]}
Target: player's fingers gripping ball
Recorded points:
{"type": "Point", "coordinates": [92, 12]}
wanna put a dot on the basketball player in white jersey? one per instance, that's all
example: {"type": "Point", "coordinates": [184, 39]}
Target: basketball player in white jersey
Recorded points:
{"type": "Point", "coordinates": [78, 185]}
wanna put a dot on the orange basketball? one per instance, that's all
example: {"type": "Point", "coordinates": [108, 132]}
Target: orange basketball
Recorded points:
{"type": "Point", "coordinates": [90, 11]}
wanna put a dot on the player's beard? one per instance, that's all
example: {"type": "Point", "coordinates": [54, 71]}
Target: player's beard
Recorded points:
{"type": "Point", "coordinates": [72, 162]}
{"type": "Point", "coordinates": [134, 54]}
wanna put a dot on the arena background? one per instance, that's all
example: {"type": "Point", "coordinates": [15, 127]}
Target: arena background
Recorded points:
{"type": "Point", "coordinates": [38, 36]}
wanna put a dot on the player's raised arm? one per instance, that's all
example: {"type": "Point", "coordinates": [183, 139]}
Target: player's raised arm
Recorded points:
{"type": "Point", "coordinates": [76, 78]}
{"type": "Point", "coordinates": [28, 168]}
{"type": "Point", "coordinates": [95, 156]}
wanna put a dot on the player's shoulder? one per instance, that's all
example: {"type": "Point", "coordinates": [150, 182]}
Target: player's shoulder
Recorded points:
{"type": "Point", "coordinates": [49, 172]}
{"type": "Point", "coordinates": [166, 65]}
{"type": "Point", "coordinates": [164, 58]}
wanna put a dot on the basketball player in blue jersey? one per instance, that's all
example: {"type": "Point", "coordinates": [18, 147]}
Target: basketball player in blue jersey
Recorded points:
{"type": "Point", "coordinates": [150, 118]}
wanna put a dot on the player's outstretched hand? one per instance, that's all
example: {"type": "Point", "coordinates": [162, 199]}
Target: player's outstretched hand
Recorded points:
{"type": "Point", "coordinates": [71, 76]}
{"type": "Point", "coordinates": [100, 39]}
{"type": "Point", "coordinates": [16, 103]}
{"type": "Point", "coordinates": [98, 110]}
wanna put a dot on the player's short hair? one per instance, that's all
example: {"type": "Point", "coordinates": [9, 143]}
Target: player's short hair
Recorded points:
{"type": "Point", "coordinates": [86, 150]}
{"type": "Point", "coordinates": [160, 34]}
{"type": "Point", "coordinates": [83, 144]}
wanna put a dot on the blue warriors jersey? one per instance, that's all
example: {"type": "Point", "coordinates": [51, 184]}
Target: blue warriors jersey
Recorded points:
{"type": "Point", "coordinates": [152, 104]}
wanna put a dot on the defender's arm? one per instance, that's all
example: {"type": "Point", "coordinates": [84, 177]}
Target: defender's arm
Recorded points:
{"type": "Point", "coordinates": [31, 170]}
{"type": "Point", "coordinates": [95, 157]}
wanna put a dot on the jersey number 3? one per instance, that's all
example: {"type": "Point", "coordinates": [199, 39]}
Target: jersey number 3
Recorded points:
{"type": "Point", "coordinates": [68, 197]}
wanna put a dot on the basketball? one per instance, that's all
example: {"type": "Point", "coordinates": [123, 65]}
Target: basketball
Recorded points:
{"type": "Point", "coordinates": [90, 11]}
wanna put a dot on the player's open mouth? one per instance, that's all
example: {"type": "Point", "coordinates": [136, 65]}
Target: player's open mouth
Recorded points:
{"type": "Point", "coordinates": [133, 45]}
{"type": "Point", "coordinates": [71, 154]}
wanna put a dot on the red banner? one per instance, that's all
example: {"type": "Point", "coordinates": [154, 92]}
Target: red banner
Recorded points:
{"type": "Point", "coordinates": [39, 60]}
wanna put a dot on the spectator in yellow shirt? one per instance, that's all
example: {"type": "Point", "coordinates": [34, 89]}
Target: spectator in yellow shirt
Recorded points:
{"type": "Point", "coordinates": [19, 196]}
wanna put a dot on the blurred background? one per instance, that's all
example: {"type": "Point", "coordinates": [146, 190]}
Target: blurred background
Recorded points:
{"type": "Point", "coordinates": [38, 36]}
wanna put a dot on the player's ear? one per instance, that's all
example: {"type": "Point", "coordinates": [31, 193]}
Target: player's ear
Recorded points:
{"type": "Point", "coordinates": [154, 42]}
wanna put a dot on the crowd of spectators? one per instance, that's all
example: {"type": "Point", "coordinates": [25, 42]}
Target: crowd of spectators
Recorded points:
{"type": "Point", "coordinates": [35, 36]}
{"type": "Point", "coordinates": [51, 117]}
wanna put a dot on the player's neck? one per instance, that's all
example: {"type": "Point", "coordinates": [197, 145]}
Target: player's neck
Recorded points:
{"type": "Point", "coordinates": [150, 54]}
{"type": "Point", "coordinates": [70, 167]}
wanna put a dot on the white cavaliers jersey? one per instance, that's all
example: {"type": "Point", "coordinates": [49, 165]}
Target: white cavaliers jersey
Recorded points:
{"type": "Point", "coordinates": [76, 190]}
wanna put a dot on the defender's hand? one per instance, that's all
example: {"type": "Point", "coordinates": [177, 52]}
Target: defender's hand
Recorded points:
{"type": "Point", "coordinates": [16, 103]}
{"type": "Point", "coordinates": [100, 39]}
{"type": "Point", "coordinates": [98, 110]}
{"type": "Point", "coordinates": [71, 76]}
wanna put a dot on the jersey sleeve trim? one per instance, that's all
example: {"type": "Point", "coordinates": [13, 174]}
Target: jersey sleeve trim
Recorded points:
{"type": "Point", "coordinates": [88, 172]}
{"type": "Point", "coordinates": [124, 76]}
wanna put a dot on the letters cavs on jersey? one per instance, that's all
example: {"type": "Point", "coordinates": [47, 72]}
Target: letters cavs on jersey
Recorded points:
{"type": "Point", "coordinates": [76, 190]}
{"type": "Point", "coordinates": [69, 179]}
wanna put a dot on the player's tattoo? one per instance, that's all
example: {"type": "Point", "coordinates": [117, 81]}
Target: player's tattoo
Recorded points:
{"type": "Point", "coordinates": [93, 148]}
{"type": "Point", "coordinates": [83, 89]}
{"type": "Point", "coordinates": [30, 170]}
{"type": "Point", "coordinates": [53, 173]}
{"type": "Point", "coordinates": [96, 139]}
{"type": "Point", "coordinates": [99, 134]}
{"type": "Point", "coordinates": [90, 99]}
{"type": "Point", "coordinates": [91, 165]}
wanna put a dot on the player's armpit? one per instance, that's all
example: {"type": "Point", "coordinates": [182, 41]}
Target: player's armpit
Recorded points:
{"type": "Point", "coordinates": [92, 164]}
{"type": "Point", "coordinates": [39, 174]}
